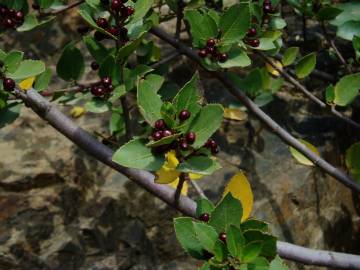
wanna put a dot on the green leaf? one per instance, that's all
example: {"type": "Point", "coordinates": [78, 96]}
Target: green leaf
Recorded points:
{"type": "Point", "coordinates": [185, 233]}
{"type": "Point", "coordinates": [45, 4]}
{"type": "Point", "coordinates": [206, 123]}
{"type": "Point", "coordinates": [277, 23]}
{"type": "Point", "coordinates": [290, 56]}
{"type": "Point", "coordinates": [278, 264]}
{"type": "Point", "coordinates": [42, 81]}
{"type": "Point", "coordinates": [351, 11]}
{"type": "Point", "coordinates": [227, 212]}
{"type": "Point", "coordinates": [235, 23]}
{"type": "Point", "coordinates": [149, 101]}
{"type": "Point", "coordinates": [356, 45]}
{"type": "Point", "coordinates": [305, 65]}
{"type": "Point", "coordinates": [116, 123]}
{"type": "Point", "coordinates": [237, 58]}
{"type": "Point", "coordinates": [327, 13]}
{"type": "Point", "coordinates": [260, 263]}
{"type": "Point", "coordinates": [269, 241]}
{"type": "Point", "coordinates": [141, 9]}
{"type": "Point", "coordinates": [199, 33]}
{"type": "Point", "coordinates": [31, 22]}
{"type": "Point", "coordinates": [135, 154]}
{"type": "Point", "coordinates": [234, 240]}
{"type": "Point", "coordinates": [199, 164]}
{"type": "Point", "coordinates": [353, 160]}
{"type": "Point", "coordinates": [206, 235]}
{"type": "Point", "coordinates": [130, 47]}
{"type": "Point", "coordinates": [204, 206]}
{"type": "Point", "coordinates": [97, 105]}
{"type": "Point", "coordinates": [254, 224]}
{"type": "Point", "coordinates": [71, 63]}
{"type": "Point", "coordinates": [12, 61]}
{"type": "Point", "coordinates": [220, 251]}
{"type": "Point", "coordinates": [9, 114]}
{"type": "Point", "coordinates": [131, 76]}
{"type": "Point", "coordinates": [163, 141]}
{"type": "Point", "coordinates": [96, 49]}
{"type": "Point", "coordinates": [348, 30]}
{"type": "Point", "coordinates": [109, 67]}
{"type": "Point", "coordinates": [330, 94]}
{"type": "Point", "coordinates": [347, 89]}
{"type": "Point", "coordinates": [27, 68]}
{"type": "Point", "coordinates": [251, 251]}
{"type": "Point", "coordinates": [118, 92]}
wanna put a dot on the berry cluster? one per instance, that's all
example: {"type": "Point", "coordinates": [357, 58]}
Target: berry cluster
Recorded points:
{"type": "Point", "coordinates": [205, 217]}
{"type": "Point", "coordinates": [8, 84]}
{"type": "Point", "coordinates": [251, 39]}
{"type": "Point", "coordinates": [102, 88]}
{"type": "Point", "coordinates": [11, 18]}
{"type": "Point", "coordinates": [117, 31]}
{"type": "Point", "coordinates": [211, 50]}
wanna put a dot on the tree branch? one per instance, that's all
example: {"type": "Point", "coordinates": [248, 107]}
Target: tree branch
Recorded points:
{"type": "Point", "coordinates": [307, 93]}
{"type": "Point", "coordinates": [146, 180]}
{"type": "Point", "coordinates": [64, 9]}
{"type": "Point", "coordinates": [252, 107]}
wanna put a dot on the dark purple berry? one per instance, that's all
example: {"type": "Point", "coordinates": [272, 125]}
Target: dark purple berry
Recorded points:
{"type": "Point", "coordinates": [251, 32]}
{"type": "Point", "coordinates": [190, 137]}
{"type": "Point", "coordinates": [267, 8]}
{"type": "Point", "coordinates": [184, 114]}
{"type": "Point", "coordinates": [3, 11]}
{"type": "Point", "coordinates": [123, 33]}
{"type": "Point", "coordinates": [9, 84]}
{"type": "Point", "coordinates": [11, 13]}
{"type": "Point", "coordinates": [210, 143]}
{"type": "Point", "coordinates": [160, 124]}
{"type": "Point", "coordinates": [205, 217]}
{"type": "Point", "coordinates": [167, 133]}
{"type": "Point", "coordinates": [157, 135]}
{"type": "Point", "coordinates": [106, 81]}
{"type": "Point", "coordinates": [202, 53]}
{"type": "Point", "coordinates": [19, 16]}
{"type": "Point", "coordinates": [222, 57]}
{"type": "Point", "coordinates": [9, 23]}
{"type": "Point", "coordinates": [114, 31]}
{"type": "Point", "coordinates": [109, 88]}
{"type": "Point", "coordinates": [222, 237]}
{"type": "Point", "coordinates": [98, 90]}
{"type": "Point", "coordinates": [102, 22]}
{"type": "Point", "coordinates": [211, 43]}
{"type": "Point", "coordinates": [255, 43]}
{"type": "Point", "coordinates": [130, 11]}
{"type": "Point", "coordinates": [116, 5]}
{"type": "Point", "coordinates": [94, 65]}
{"type": "Point", "coordinates": [184, 145]}
{"type": "Point", "coordinates": [215, 150]}
{"type": "Point", "coordinates": [210, 50]}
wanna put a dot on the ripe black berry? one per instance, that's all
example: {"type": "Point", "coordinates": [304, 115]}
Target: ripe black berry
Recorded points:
{"type": "Point", "coordinates": [106, 81]}
{"type": "Point", "coordinates": [116, 5]}
{"type": "Point", "coordinates": [222, 237]}
{"type": "Point", "coordinates": [252, 32]}
{"type": "Point", "coordinates": [210, 143]}
{"type": "Point", "coordinates": [167, 132]}
{"type": "Point", "coordinates": [202, 53]}
{"type": "Point", "coordinates": [98, 90]}
{"type": "Point", "coordinates": [190, 137]}
{"type": "Point", "coordinates": [255, 43]}
{"type": "Point", "coordinates": [9, 84]}
{"type": "Point", "coordinates": [267, 8]}
{"type": "Point", "coordinates": [157, 135]}
{"type": "Point", "coordinates": [160, 124]}
{"type": "Point", "coordinates": [210, 50]}
{"type": "Point", "coordinates": [222, 57]}
{"type": "Point", "coordinates": [211, 42]}
{"type": "Point", "coordinates": [114, 31]}
{"type": "Point", "coordinates": [205, 217]}
{"type": "Point", "coordinates": [184, 114]}
{"type": "Point", "coordinates": [102, 22]}
{"type": "Point", "coordinates": [109, 88]}
{"type": "Point", "coordinates": [3, 11]}
{"type": "Point", "coordinates": [130, 11]}
{"type": "Point", "coordinates": [94, 65]}
{"type": "Point", "coordinates": [184, 145]}
{"type": "Point", "coordinates": [19, 16]}
{"type": "Point", "coordinates": [8, 23]}
{"type": "Point", "coordinates": [215, 150]}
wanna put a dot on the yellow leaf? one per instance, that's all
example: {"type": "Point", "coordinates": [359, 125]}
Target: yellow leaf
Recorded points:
{"type": "Point", "coordinates": [167, 173]}
{"type": "Point", "coordinates": [27, 83]}
{"type": "Point", "coordinates": [77, 111]}
{"type": "Point", "coordinates": [272, 70]}
{"type": "Point", "coordinates": [240, 188]}
{"type": "Point", "coordinates": [300, 157]}
{"type": "Point", "coordinates": [235, 114]}
{"type": "Point", "coordinates": [195, 176]}
{"type": "Point", "coordinates": [185, 187]}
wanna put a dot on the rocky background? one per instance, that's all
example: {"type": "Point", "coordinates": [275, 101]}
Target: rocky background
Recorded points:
{"type": "Point", "coordinates": [62, 210]}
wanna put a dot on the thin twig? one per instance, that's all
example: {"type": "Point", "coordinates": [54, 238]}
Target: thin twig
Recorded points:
{"type": "Point", "coordinates": [303, 89]}
{"type": "Point", "coordinates": [337, 52]}
{"type": "Point", "coordinates": [179, 17]}
{"type": "Point", "coordinates": [81, 138]}
{"type": "Point", "coordinates": [261, 115]}
{"type": "Point", "coordinates": [182, 178]}
{"type": "Point", "coordinates": [198, 189]}
{"type": "Point", "coordinates": [171, 56]}
{"type": "Point", "coordinates": [126, 113]}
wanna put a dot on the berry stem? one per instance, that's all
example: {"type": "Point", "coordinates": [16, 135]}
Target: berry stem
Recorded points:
{"type": "Point", "coordinates": [182, 178]}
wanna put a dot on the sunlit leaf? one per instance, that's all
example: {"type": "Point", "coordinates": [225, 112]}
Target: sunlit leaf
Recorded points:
{"type": "Point", "coordinates": [300, 157]}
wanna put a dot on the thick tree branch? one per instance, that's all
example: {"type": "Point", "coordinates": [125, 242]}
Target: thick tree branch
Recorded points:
{"type": "Point", "coordinates": [145, 179]}
{"type": "Point", "coordinates": [303, 89]}
{"type": "Point", "coordinates": [252, 107]}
